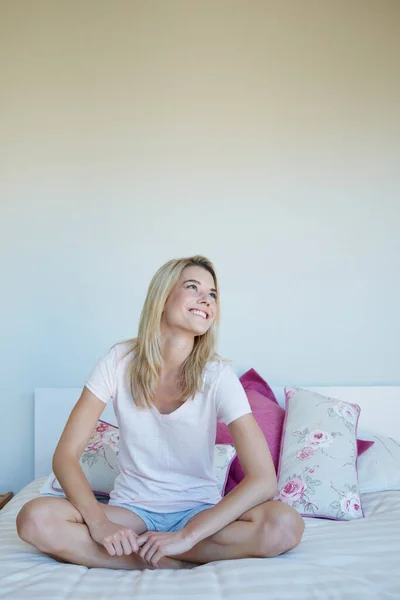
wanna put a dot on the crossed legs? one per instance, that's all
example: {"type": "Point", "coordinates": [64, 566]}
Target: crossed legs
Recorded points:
{"type": "Point", "coordinates": [55, 527]}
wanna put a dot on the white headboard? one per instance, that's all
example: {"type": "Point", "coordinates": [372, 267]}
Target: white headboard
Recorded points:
{"type": "Point", "coordinates": [380, 413]}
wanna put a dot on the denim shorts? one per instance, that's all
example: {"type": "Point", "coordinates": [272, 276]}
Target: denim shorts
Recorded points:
{"type": "Point", "coordinates": [172, 521]}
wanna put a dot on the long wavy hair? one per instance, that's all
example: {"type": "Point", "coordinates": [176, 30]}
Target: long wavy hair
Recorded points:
{"type": "Point", "coordinates": [145, 367]}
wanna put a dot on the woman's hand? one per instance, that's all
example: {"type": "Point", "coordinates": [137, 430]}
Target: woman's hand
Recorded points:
{"type": "Point", "coordinates": [156, 544]}
{"type": "Point", "coordinates": [116, 539]}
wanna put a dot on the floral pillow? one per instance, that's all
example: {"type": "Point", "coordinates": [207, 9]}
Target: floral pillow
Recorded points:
{"type": "Point", "coordinates": [224, 455]}
{"type": "Point", "coordinates": [317, 472]}
{"type": "Point", "coordinates": [99, 463]}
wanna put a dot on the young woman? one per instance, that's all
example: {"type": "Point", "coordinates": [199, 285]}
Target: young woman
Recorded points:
{"type": "Point", "coordinates": [169, 388]}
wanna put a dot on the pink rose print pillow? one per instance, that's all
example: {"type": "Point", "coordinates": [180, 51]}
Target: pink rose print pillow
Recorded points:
{"type": "Point", "coordinates": [317, 472]}
{"type": "Point", "coordinates": [99, 461]}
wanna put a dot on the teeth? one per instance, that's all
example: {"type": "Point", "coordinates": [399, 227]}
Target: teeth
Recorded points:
{"type": "Point", "coordinates": [200, 313]}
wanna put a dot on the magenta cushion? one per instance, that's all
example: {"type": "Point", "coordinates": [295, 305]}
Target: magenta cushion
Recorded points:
{"type": "Point", "coordinates": [269, 416]}
{"type": "Point", "coordinates": [363, 445]}
{"type": "Point", "coordinates": [251, 380]}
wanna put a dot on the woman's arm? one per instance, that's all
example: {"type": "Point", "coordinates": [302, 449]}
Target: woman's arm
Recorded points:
{"type": "Point", "coordinates": [258, 485]}
{"type": "Point", "coordinates": [117, 539]}
{"type": "Point", "coordinates": [80, 426]}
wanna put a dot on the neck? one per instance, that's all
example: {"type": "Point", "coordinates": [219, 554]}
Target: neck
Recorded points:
{"type": "Point", "coordinates": [175, 348]}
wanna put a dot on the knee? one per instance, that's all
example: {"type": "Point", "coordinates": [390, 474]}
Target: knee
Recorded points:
{"type": "Point", "coordinates": [281, 531]}
{"type": "Point", "coordinates": [33, 521]}
{"type": "Point", "coordinates": [291, 527]}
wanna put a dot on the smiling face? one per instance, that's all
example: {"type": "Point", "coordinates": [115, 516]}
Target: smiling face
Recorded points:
{"type": "Point", "coordinates": [192, 304]}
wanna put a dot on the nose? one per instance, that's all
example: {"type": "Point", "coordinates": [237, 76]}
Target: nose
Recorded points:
{"type": "Point", "coordinates": [206, 300]}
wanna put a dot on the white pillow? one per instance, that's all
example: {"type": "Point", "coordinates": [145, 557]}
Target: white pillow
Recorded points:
{"type": "Point", "coordinates": [379, 466]}
{"type": "Point", "coordinates": [101, 473]}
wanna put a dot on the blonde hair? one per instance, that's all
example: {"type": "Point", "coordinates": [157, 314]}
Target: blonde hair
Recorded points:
{"type": "Point", "coordinates": [144, 370]}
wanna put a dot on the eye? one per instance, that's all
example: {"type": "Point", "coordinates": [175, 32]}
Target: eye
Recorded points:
{"type": "Point", "coordinates": [193, 285]}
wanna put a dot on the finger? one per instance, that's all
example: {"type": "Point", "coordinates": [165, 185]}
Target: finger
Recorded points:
{"type": "Point", "coordinates": [142, 550]}
{"type": "Point", "coordinates": [126, 546]}
{"type": "Point", "coordinates": [145, 549]}
{"type": "Point", "coordinates": [117, 545]}
{"type": "Point", "coordinates": [142, 539]}
{"type": "Point", "coordinates": [157, 557]}
{"type": "Point", "coordinates": [150, 552]}
{"type": "Point", "coordinates": [150, 557]}
{"type": "Point", "coordinates": [132, 540]}
{"type": "Point", "coordinates": [146, 542]}
{"type": "Point", "coordinates": [109, 547]}
{"type": "Point", "coordinates": [109, 541]}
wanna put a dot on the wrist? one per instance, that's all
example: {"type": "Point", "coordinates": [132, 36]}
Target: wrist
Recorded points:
{"type": "Point", "coordinates": [95, 522]}
{"type": "Point", "coordinates": [191, 534]}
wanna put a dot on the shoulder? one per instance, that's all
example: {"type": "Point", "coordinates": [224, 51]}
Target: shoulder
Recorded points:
{"type": "Point", "coordinates": [116, 356]}
{"type": "Point", "coordinates": [119, 353]}
{"type": "Point", "coordinates": [229, 396]}
{"type": "Point", "coordinates": [122, 350]}
{"type": "Point", "coordinates": [105, 375]}
{"type": "Point", "coordinates": [215, 369]}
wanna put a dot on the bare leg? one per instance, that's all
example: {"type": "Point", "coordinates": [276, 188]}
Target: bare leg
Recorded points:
{"type": "Point", "coordinates": [267, 530]}
{"type": "Point", "coordinates": [55, 527]}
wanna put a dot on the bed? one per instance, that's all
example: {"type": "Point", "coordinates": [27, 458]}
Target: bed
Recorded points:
{"type": "Point", "coordinates": [343, 560]}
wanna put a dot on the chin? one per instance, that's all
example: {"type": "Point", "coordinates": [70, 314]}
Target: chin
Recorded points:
{"type": "Point", "coordinates": [196, 329]}
{"type": "Point", "coordinates": [200, 331]}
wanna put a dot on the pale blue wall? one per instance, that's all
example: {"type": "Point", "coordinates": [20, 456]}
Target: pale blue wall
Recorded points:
{"type": "Point", "coordinates": [263, 137]}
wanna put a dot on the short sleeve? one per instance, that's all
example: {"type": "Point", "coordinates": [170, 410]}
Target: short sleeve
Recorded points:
{"type": "Point", "coordinates": [102, 379]}
{"type": "Point", "coordinates": [230, 398]}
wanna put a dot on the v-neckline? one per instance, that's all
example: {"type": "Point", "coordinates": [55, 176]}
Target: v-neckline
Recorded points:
{"type": "Point", "coordinates": [170, 414]}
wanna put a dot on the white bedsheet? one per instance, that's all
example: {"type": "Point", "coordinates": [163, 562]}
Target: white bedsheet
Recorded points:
{"type": "Point", "coordinates": [343, 560]}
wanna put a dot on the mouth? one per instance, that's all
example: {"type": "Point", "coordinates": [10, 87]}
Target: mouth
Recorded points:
{"type": "Point", "coordinates": [199, 313]}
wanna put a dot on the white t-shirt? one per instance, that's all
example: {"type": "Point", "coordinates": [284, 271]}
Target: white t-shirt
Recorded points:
{"type": "Point", "coordinates": [165, 460]}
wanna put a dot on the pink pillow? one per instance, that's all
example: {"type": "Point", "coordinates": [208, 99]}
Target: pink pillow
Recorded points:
{"type": "Point", "coordinates": [362, 446]}
{"type": "Point", "coordinates": [251, 380]}
{"type": "Point", "coordinates": [269, 416]}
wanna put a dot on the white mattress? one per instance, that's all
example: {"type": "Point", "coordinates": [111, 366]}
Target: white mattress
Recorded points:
{"type": "Point", "coordinates": [343, 560]}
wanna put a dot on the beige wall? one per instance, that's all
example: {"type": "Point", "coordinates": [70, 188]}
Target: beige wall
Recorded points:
{"type": "Point", "coordinates": [264, 134]}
